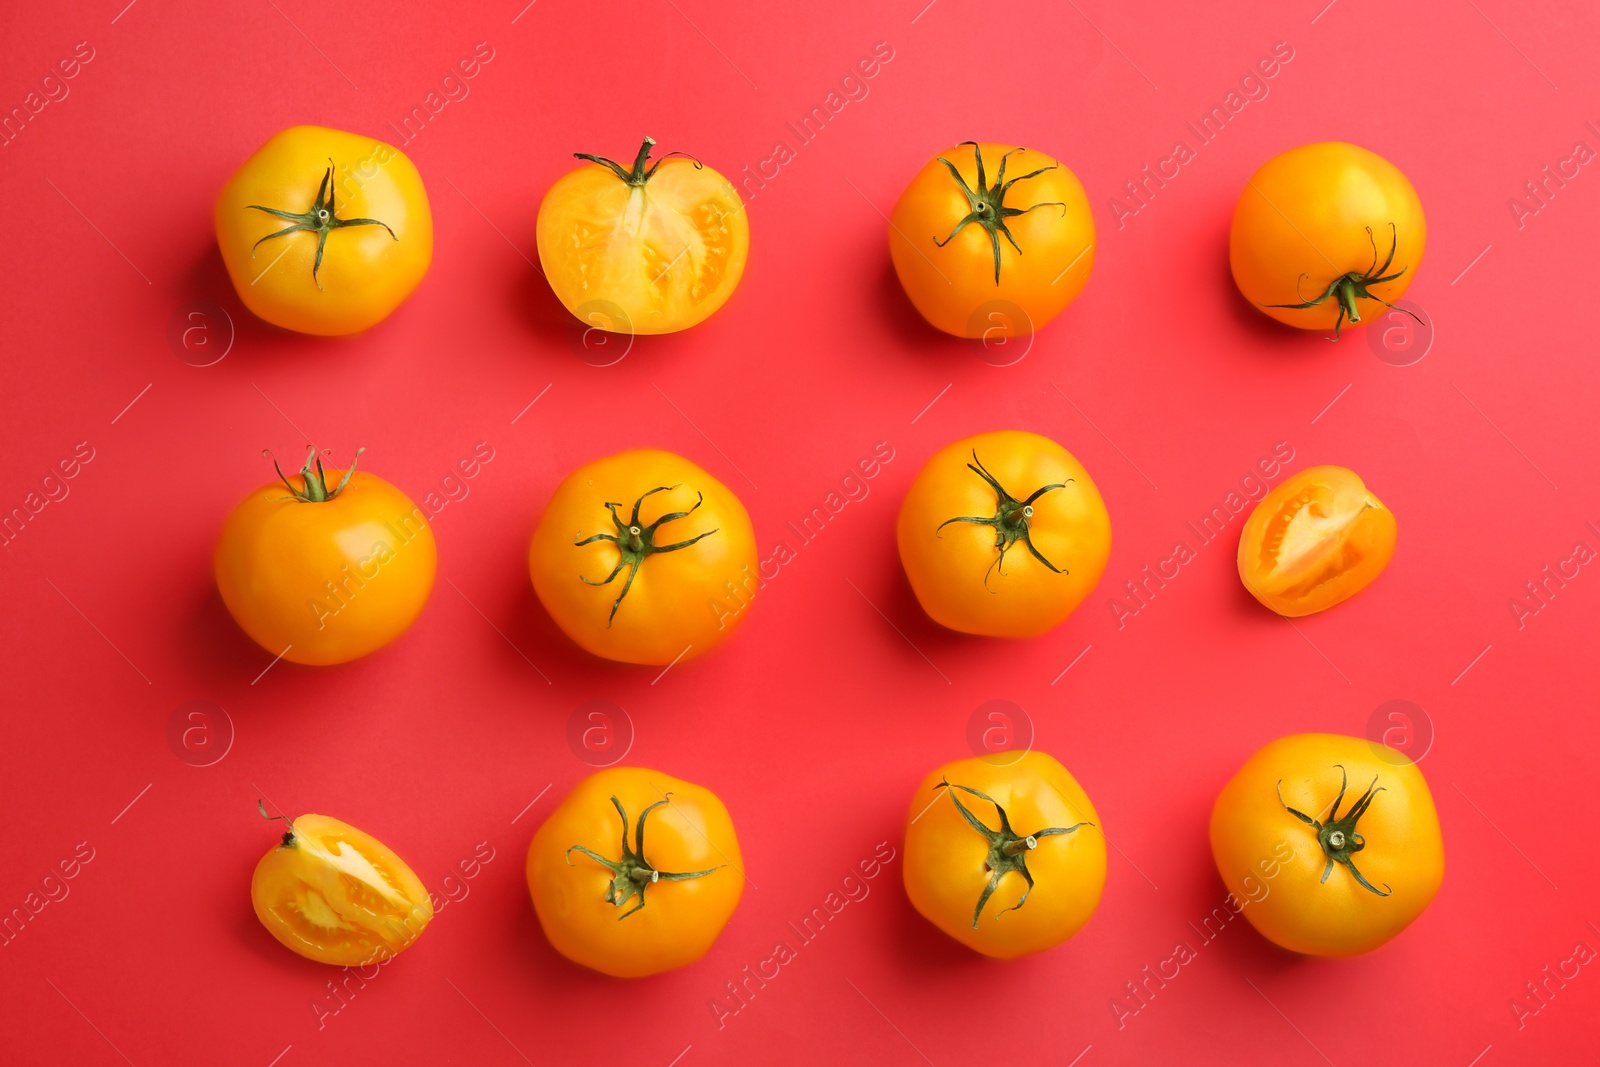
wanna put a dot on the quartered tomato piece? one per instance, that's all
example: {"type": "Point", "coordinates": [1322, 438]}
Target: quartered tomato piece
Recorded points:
{"type": "Point", "coordinates": [336, 895]}
{"type": "Point", "coordinates": [1318, 538]}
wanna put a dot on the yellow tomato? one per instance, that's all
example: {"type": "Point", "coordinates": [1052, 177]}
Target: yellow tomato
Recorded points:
{"type": "Point", "coordinates": [643, 557]}
{"type": "Point", "coordinates": [654, 249]}
{"type": "Point", "coordinates": [1004, 855]}
{"type": "Point", "coordinates": [324, 232]}
{"type": "Point", "coordinates": [1326, 233]}
{"type": "Point", "coordinates": [1318, 538]}
{"type": "Point", "coordinates": [1330, 843]}
{"type": "Point", "coordinates": [636, 872]}
{"type": "Point", "coordinates": [336, 895]}
{"type": "Point", "coordinates": [1003, 534]}
{"type": "Point", "coordinates": [324, 575]}
{"type": "Point", "coordinates": [982, 259]}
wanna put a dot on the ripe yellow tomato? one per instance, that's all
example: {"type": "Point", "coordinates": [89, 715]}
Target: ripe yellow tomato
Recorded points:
{"type": "Point", "coordinates": [323, 231]}
{"type": "Point", "coordinates": [1318, 538]}
{"type": "Point", "coordinates": [336, 895]}
{"type": "Point", "coordinates": [643, 557]}
{"type": "Point", "coordinates": [986, 255]}
{"type": "Point", "coordinates": [1004, 853]}
{"type": "Point", "coordinates": [652, 249]}
{"type": "Point", "coordinates": [1003, 534]}
{"type": "Point", "coordinates": [1326, 234]}
{"type": "Point", "coordinates": [322, 574]}
{"type": "Point", "coordinates": [635, 873]}
{"type": "Point", "coordinates": [1331, 844]}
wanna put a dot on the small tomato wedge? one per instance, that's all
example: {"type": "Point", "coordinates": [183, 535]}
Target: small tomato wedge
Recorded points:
{"type": "Point", "coordinates": [1004, 853]}
{"type": "Point", "coordinates": [336, 895]}
{"type": "Point", "coordinates": [652, 249]}
{"type": "Point", "coordinates": [1317, 539]}
{"type": "Point", "coordinates": [1329, 844]}
{"type": "Point", "coordinates": [636, 872]}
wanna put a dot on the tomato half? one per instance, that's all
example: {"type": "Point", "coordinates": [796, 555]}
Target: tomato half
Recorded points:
{"type": "Point", "coordinates": [1331, 844]}
{"type": "Point", "coordinates": [655, 248]}
{"type": "Point", "coordinates": [1316, 539]}
{"type": "Point", "coordinates": [324, 575]}
{"type": "Point", "coordinates": [324, 232]}
{"type": "Point", "coordinates": [1003, 534]}
{"type": "Point", "coordinates": [1004, 853]}
{"type": "Point", "coordinates": [1326, 234]}
{"type": "Point", "coordinates": [337, 895]}
{"type": "Point", "coordinates": [643, 557]}
{"type": "Point", "coordinates": [982, 254]}
{"type": "Point", "coordinates": [636, 872]}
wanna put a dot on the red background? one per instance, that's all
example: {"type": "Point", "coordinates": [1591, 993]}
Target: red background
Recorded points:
{"type": "Point", "coordinates": [815, 723]}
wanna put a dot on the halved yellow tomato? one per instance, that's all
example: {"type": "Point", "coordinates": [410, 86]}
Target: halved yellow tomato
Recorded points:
{"type": "Point", "coordinates": [654, 249]}
{"type": "Point", "coordinates": [336, 895]}
{"type": "Point", "coordinates": [1318, 538]}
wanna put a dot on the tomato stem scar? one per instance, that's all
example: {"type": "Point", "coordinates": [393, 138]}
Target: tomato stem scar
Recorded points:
{"type": "Point", "coordinates": [288, 838]}
{"type": "Point", "coordinates": [319, 220]}
{"type": "Point", "coordinates": [631, 874]}
{"type": "Point", "coordinates": [314, 480]}
{"type": "Point", "coordinates": [986, 204]}
{"type": "Point", "coordinates": [636, 543]}
{"type": "Point", "coordinates": [1338, 836]}
{"type": "Point", "coordinates": [1007, 849]}
{"type": "Point", "coordinates": [1352, 284]}
{"type": "Point", "coordinates": [1011, 519]}
{"type": "Point", "coordinates": [640, 173]}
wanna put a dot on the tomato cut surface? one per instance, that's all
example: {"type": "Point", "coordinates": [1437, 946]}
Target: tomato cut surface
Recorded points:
{"type": "Point", "coordinates": [1317, 539]}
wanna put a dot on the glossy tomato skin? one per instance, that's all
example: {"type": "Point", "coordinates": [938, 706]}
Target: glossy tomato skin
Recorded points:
{"type": "Point", "coordinates": [329, 581]}
{"type": "Point", "coordinates": [665, 253]}
{"type": "Point", "coordinates": [365, 273]}
{"type": "Point", "coordinates": [952, 569]}
{"type": "Point", "coordinates": [946, 867]}
{"type": "Point", "coordinates": [1318, 538]}
{"type": "Point", "coordinates": [951, 285]}
{"type": "Point", "coordinates": [1273, 862]}
{"type": "Point", "coordinates": [681, 603]}
{"type": "Point", "coordinates": [1302, 220]}
{"type": "Point", "coordinates": [680, 919]}
{"type": "Point", "coordinates": [337, 895]}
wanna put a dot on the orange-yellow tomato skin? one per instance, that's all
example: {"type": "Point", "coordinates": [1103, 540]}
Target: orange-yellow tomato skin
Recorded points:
{"type": "Point", "coordinates": [330, 581]}
{"type": "Point", "coordinates": [945, 868]}
{"type": "Point", "coordinates": [1302, 221]}
{"type": "Point", "coordinates": [953, 570]}
{"type": "Point", "coordinates": [680, 920]}
{"type": "Point", "coordinates": [1318, 538]}
{"type": "Point", "coordinates": [1273, 863]}
{"type": "Point", "coordinates": [679, 605]}
{"type": "Point", "coordinates": [953, 285]}
{"type": "Point", "coordinates": [339, 896]}
{"type": "Point", "coordinates": [649, 259]}
{"type": "Point", "coordinates": [365, 273]}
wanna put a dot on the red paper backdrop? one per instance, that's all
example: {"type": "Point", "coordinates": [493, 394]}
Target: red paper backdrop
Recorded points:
{"type": "Point", "coordinates": [817, 721]}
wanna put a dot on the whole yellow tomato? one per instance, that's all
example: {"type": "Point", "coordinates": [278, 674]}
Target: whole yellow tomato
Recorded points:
{"type": "Point", "coordinates": [652, 249]}
{"type": "Point", "coordinates": [1330, 843]}
{"type": "Point", "coordinates": [324, 232]}
{"type": "Point", "coordinates": [1003, 534]}
{"type": "Point", "coordinates": [325, 575]}
{"type": "Point", "coordinates": [983, 259]}
{"type": "Point", "coordinates": [986, 836]}
{"type": "Point", "coordinates": [643, 557]}
{"type": "Point", "coordinates": [1318, 538]}
{"type": "Point", "coordinates": [336, 895]}
{"type": "Point", "coordinates": [636, 872]}
{"type": "Point", "coordinates": [1324, 234]}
